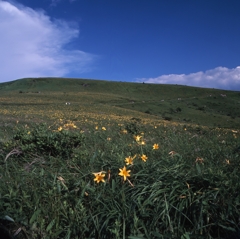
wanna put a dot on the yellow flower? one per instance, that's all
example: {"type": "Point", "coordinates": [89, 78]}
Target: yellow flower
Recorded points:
{"type": "Point", "coordinates": [99, 177]}
{"type": "Point", "coordinates": [70, 126]}
{"type": "Point", "coordinates": [129, 160]}
{"type": "Point", "coordinates": [60, 128]}
{"type": "Point", "coordinates": [96, 127]}
{"type": "Point", "coordinates": [142, 143]}
{"type": "Point", "coordinates": [155, 146]}
{"type": "Point", "coordinates": [144, 157]}
{"type": "Point", "coordinates": [124, 173]}
{"type": "Point", "coordinates": [137, 138]}
{"type": "Point", "coordinates": [103, 128]}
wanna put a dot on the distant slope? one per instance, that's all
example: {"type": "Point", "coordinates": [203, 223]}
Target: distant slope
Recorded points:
{"type": "Point", "coordinates": [179, 103]}
{"type": "Point", "coordinates": [124, 88]}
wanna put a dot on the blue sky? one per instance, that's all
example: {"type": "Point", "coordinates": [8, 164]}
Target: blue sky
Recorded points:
{"type": "Point", "coordinates": [189, 42]}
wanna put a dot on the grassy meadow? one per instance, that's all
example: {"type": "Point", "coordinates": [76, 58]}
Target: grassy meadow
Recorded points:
{"type": "Point", "coordinates": [98, 159]}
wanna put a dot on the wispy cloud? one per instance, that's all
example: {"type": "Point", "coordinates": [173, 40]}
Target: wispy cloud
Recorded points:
{"type": "Point", "coordinates": [34, 45]}
{"type": "Point", "coordinates": [54, 3]}
{"type": "Point", "coordinates": [219, 78]}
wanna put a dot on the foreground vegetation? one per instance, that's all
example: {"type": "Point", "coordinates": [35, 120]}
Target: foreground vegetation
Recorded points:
{"type": "Point", "coordinates": [63, 183]}
{"type": "Point", "coordinates": [92, 169]}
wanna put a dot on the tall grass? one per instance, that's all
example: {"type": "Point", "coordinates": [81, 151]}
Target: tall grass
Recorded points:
{"type": "Point", "coordinates": [187, 188]}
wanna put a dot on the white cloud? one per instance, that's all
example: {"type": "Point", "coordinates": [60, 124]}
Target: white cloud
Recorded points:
{"type": "Point", "coordinates": [219, 78]}
{"type": "Point", "coordinates": [33, 45]}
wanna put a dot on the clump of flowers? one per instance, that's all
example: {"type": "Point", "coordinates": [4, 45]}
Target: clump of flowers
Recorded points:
{"type": "Point", "coordinates": [70, 126]}
{"type": "Point", "coordinates": [139, 139]}
{"type": "Point", "coordinates": [67, 126]}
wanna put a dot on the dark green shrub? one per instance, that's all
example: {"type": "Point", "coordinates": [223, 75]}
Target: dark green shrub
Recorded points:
{"type": "Point", "coordinates": [44, 141]}
{"type": "Point", "coordinates": [147, 112]}
{"type": "Point", "coordinates": [200, 108]}
{"type": "Point", "coordinates": [167, 118]}
{"type": "Point", "coordinates": [132, 128]}
{"type": "Point", "coordinates": [178, 109]}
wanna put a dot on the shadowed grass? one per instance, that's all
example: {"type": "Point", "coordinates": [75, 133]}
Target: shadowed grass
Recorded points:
{"type": "Point", "coordinates": [187, 188]}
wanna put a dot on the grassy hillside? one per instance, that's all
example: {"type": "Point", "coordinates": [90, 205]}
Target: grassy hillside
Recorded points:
{"type": "Point", "coordinates": [118, 160]}
{"type": "Point", "coordinates": [37, 98]}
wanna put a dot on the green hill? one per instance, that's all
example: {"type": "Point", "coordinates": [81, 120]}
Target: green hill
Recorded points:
{"type": "Point", "coordinates": [175, 103]}
{"type": "Point", "coordinates": [113, 155]}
